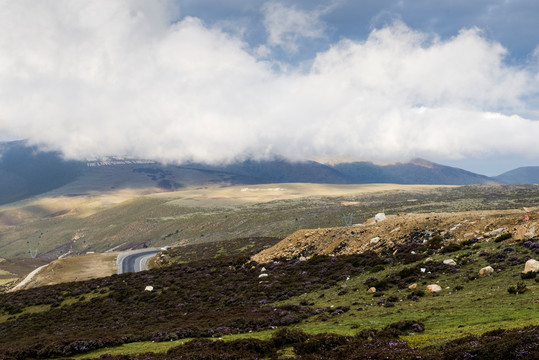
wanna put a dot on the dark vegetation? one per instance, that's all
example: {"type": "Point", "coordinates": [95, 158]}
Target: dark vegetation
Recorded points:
{"type": "Point", "coordinates": [226, 295]}
{"type": "Point", "coordinates": [243, 246]}
{"type": "Point", "coordinates": [368, 344]}
{"type": "Point", "coordinates": [198, 299]}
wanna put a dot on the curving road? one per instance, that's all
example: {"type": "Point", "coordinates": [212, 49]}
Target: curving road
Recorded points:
{"type": "Point", "coordinates": [135, 262]}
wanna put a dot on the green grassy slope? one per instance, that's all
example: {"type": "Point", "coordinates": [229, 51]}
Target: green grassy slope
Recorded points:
{"type": "Point", "coordinates": [226, 297]}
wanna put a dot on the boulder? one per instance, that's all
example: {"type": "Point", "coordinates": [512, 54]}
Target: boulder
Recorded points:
{"type": "Point", "coordinates": [497, 232]}
{"type": "Point", "coordinates": [148, 288]}
{"type": "Point", "coordinates": [434, 288]}
{"type": "Point", "coordinates": [450, 262]}
{"type": "Point", "coordinates": [379, 217]}
{"type": "Point", "coordinates": [519, 233]}
{"type": "Point", "coordinates": [371, 290]}
{"type": "Point", "coordinates": [486, 271]}
{"type": "Point", "coordinates": [263, 275]}
{"type": "Point", "coordinates": [531, 265]}
{"type": "Point", "coordinates": [413, 286]}
{"type": "Point", "coordinates": [374, 240]}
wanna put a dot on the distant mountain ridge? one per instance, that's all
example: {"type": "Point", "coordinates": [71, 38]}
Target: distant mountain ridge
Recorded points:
{"type": "Point", "coordinates": [521, 175]}
{"type": "Point", "coordinates": [417, 171]}
{"type": "Point", "coordinates": [25, 172]}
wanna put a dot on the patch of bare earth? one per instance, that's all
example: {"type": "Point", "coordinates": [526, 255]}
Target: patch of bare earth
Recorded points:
{"type": "Point", "coordinates": [383, 235]}
{"type": "Point", "coordinates": [74, 268]}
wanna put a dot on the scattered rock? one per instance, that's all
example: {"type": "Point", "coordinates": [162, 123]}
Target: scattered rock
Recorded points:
{"type": "Point", "coordinates": [497, 232]}
{"type": "Point", "coordinates": [371, 290]}
{"type": "Point", "coordinates": [148, 288]}
{"type": "Point", "coordinates": [434, 288]}
{"type": "Point", "coordinates": [263, 269]}
{"type": "Point", "coordinates": [455, 227]}
{"type": "Point", "coordinates": [379, 217]}
{"type": "Point", "coordinates": [263, 275]}
{"type": "Point", "coordinates": [486, 271]}
{"type": "Point", "coordinates": [531, 265]}
{"type": "Point", "coordinates": [374, 240]}
{"type": "Point", "coordinates": [394, 231]}
{"type": "Point", "coordinates": [450, 262]}
{"type": "Point", "coordinates": [413, 286]}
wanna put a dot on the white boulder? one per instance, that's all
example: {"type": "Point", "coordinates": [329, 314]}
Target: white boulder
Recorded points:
{"type": "Point", "coordinates": [148, 288]}
{"type": "Point", "coordinates": [374, 240]}
{"type": "Point", "coordinates": [434, 288]}
{"type": "Point", "coordinates": [497, 232]}
{"type": "Point", "coordinates": [486, 271]}
{"type": "Point", "coordinates": [531, 265]}
{"type": "Point", "coordinates": [379, 217]}
{"type": "Point", "coordinates": [450, 262]}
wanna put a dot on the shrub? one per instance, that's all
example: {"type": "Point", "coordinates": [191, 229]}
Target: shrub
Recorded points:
{"type": "Point", "coordinates": [470, 242]}
{"type": "Point", "coordinates": [406, 272]}
{"type": "Point", "coordinates": [528, 275]}
{"type": "Point", "coordinates": [415, 295]}
{"type": "Point", "coordinates": [451, 247]}
{"type": "Point", "coordinates": [377, 268]}
{"type": "Point", "coordinates": [285, 336]}
{"type": "Point", "coordinates": [435, 242]}
{"type": "Point", "coordinates": [518, 289]}
{"type": "Point", "coordinates": [503, 237]}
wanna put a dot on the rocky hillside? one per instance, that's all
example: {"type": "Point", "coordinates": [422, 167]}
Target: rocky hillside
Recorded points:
{"type": "Point", "coordinates": [446, 229]}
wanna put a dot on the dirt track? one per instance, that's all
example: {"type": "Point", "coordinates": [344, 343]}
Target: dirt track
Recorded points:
{"type": "Point", "coordinates": [76, 268]}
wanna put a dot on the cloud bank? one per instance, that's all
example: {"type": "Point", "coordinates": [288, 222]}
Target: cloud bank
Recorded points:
{"type": "Point", "coordinates": [138, 78]}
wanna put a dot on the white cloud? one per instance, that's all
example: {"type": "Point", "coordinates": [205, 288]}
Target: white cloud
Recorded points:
{"type": "Point", "coordinates": [112, 78]}
{"type": "Point", "coordinates": [287, 25]}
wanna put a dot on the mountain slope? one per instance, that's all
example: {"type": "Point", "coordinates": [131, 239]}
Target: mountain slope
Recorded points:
{"type": "Point", "coordinates": [417, 171]}
{"type": "Point", "coordinates": [25, 172]}
{"type": "Point", "coordinates": [522, 175]}
{"type": "Point", "coordinates": [276, 171]}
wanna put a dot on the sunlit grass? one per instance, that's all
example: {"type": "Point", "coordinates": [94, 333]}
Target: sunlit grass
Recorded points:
{"type": "Point", "coordinates": [162, 347]}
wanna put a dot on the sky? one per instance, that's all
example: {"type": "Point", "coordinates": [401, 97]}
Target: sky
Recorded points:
{"type": "Point", "coordinates": [455, 82]}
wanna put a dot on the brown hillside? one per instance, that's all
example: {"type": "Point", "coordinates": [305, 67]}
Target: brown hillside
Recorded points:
{"type": "Point", "coordinates": [396, 229]}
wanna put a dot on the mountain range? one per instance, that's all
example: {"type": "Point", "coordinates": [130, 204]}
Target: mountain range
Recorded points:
{"type": "Point", "coordinates": [26, 172]}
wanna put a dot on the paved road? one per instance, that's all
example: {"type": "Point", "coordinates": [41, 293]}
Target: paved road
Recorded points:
{"type": "Point", "coordinates": [135, 262]}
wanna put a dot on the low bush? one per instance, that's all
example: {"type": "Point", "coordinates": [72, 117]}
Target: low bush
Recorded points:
{"type": "Point", "coordinates": [451, 247]}
{"type": "Point", "coordinates": [520, 288]}
{"type": "Point", "coordinates": [503, 237]}
{"type": "Point", "coordinates": [377, 268]}
{"type": "Point", "coordinates": [528, 275]}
